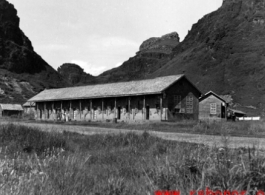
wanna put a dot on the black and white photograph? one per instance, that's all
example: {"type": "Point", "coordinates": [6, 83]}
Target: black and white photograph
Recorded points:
{"type": "Point", "coordinates": [140, 97]}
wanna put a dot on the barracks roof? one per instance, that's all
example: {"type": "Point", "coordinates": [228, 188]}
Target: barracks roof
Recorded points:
{"type": "Point", "coordinates": [140, 87]}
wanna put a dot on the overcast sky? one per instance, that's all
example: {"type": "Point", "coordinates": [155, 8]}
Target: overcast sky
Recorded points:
{"type": "Point", "coordinates": [101, 34]}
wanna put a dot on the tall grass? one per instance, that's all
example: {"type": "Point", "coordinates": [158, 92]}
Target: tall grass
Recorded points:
{"type": "Point", "coordinates": [70, 163]}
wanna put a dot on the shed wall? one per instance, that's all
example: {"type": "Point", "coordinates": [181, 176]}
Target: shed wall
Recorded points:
{"type": "Point", "coordinates": [204, 108]}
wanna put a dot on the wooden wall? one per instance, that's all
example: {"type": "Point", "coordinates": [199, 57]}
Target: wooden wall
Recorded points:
{"type": "Point", "coordinates": [184, 89]}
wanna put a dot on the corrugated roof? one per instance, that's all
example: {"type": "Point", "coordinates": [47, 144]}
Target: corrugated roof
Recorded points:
{"type": "Point", "coordinates": [11, 107]}
{"type": "Point", "coordinates": [141, 87]}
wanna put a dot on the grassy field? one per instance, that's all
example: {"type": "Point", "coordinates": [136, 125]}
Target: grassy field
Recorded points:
{"type": "Point", "coordinates": [37, 162]}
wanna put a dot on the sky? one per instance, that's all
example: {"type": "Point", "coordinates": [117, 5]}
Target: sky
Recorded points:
{"type": "Point", "coordinates": [101, 34]}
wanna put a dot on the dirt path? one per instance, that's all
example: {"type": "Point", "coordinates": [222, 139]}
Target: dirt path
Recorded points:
{"type": "Point", "coordinates": [233, 142]}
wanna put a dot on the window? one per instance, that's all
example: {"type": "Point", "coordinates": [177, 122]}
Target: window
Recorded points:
{"type": "Point", "coordinates": [177, 101]}
{"type": "Point", "coordinates": [189, 104]}
{"type": "Point", "coordinates": [213, 108]}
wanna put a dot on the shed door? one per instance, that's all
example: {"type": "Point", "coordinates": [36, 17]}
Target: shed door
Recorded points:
{"type": "Point", "coordinates": [223, 111]}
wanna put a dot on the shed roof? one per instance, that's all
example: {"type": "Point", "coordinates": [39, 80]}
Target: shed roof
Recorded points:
{"type": "Point", "coordinates": [29, 104]}
{"type": "Point", "coordinates": [237, 111]}
{"type": "Point", "coordinates": [17, 107]}
{"type": "Point", "coordinates": [141, 87]}
{"type": "Point", "coordinates": [211, 93]}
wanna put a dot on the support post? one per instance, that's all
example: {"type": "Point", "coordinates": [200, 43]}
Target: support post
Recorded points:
{"type": "Point", "coordinates": [115, 109]}
{"type": "Point", "coordinates": [80, 109]}
{"type": "Point", "coordinates": [102, 110]}
{"type": "Point", "coordinates": [129, 107]}
{"type": "Point", "coordinates": [91, 112]}
{"type": "Point", "coordinates": [144, 108]}
{"type": "Point", "coordinates": [161, 107]}
{"type": "Point", "coordinates": [37, 111]}
{"type": "Point", "coordinates": [45, 111]}
{"type": "Point", "coordinates": [52, 113]}
{"type": "Point", "coordinates": [70, 111]}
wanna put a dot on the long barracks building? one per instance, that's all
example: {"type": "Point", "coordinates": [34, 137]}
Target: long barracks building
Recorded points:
{"type": "Point", "coordinates": [159, 99]}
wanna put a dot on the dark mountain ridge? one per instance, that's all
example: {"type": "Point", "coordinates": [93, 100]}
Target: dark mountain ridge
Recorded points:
{"type": "Point", "coordinates": [23, 73]}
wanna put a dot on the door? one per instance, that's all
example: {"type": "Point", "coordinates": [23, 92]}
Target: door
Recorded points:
{"type": "Point", "coordinates": [147, 112]}
{"type": "Point", "coordinates": [223, 111]}
{"type": "Point", "coordinates": [119, 113]}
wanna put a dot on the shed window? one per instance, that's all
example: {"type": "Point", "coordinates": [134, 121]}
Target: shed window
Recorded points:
{"type": "Point", "coordinates": [189, 104]}
{"type": "Point", "coordinates": [213, 108]}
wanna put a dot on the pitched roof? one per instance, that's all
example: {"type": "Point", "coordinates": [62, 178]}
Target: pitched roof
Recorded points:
{"type": "Point", "coordinates": [211, 93]}
{"type": "Point", "coordinates": [17, 107]}
{"type": "Point", "coordinates": [141, 87]}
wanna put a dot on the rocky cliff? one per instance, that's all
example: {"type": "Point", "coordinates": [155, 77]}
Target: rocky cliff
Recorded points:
{"type": "Point", "coordinates": [74, 74]}
{"type": "Point", "coordinates": [152, 55]}
{"type": "Point", "coordinates": [23, 72]}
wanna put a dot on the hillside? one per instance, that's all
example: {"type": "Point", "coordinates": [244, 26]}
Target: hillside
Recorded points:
{"type": "Point", "coordinates": [224, 52]}
{"type": "Point", "coordinates": [23, 72]}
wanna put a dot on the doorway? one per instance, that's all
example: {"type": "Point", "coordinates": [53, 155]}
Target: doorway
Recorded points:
{"type": "Point", "coordinates": [223, 111]}
{"type": "Point", "coordinates": [147, 112]}
{"type": "Point", "coordinates": [119, 113]}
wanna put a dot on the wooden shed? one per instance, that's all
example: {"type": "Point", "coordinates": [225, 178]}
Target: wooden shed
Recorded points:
{"type": "Point", "coordinates": [166, 98]}
{"type": "Point", "coordinates": [10, 110]}
{"type": "Point", "coordinates": [212, 107]}
{"type": "Point", "coordinates": [233, 114]}
{"type": "Point", "coordinates": [29, 107]}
